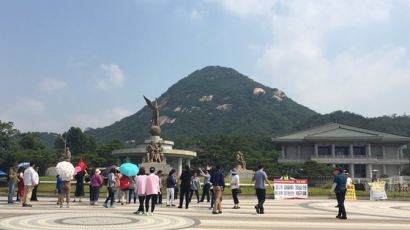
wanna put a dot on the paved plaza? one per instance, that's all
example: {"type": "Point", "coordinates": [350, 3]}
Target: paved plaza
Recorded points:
{"type": "Point", "coordinates": [280, 214]}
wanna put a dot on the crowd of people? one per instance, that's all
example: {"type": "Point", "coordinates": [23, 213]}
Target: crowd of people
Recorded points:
{"type": "Point", "coordinates": [147, 188]}
{"type": "Point", "coordinates": [25, 179]}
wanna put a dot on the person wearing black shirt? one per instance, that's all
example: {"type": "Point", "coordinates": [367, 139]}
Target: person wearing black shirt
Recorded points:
{"type": "Point", "coordinates": [185, 187]}
{"type": "Point", "coordinates": [218, 183]}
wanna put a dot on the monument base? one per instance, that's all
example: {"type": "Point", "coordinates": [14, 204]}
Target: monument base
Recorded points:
{"type": "Point", "coordinates": [158, 166]}
{"type": "Point", "coordinates": [244, 173]}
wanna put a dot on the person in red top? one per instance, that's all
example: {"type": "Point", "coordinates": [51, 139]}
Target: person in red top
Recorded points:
{"type": "Point", "coordinates": [124, 186]}
{"type": "Point", "coordinates": [20, 184]}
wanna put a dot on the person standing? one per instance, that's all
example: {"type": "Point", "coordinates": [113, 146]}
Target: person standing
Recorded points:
{"type": "Point", "coordinates": [260, 178]}
{"type": "Point", "coordinates": [20, 184]}
{"type": "Point", "coordinates": [207, 185]}
{"type": "Point", "coordinates": [117, 194]}
{"type": "Point", "coordinates": [235, 188]}
{"type": "Point", "coordinates": [79, 186]}
{"type": "Point", "coordinates": [131, 190]}
{"type": "Point", "coordinates": [218, 183]}
{"type": "Point", "coordinates": [152, 190]}
{"type": "Point", "coordinates": [140, 190]}
{"type": "Point", "coordinates": [59, 186]}
{"type": "Point", "coordinates": [124, 185]}
{"type": "Point", "coordinates": [195, 186]}
{"type": "Point", "coordinates": [95, 184]}
{"type": "Point", "coordinates": [65, 189]}
{"type": "Point", "coordinates": [12, 180]}
{"type": "Point", "coordinates": [185, 187]}
{"type": "Point", "coordinates": [111, 186]}
{"type": "Point", "coordinates": [339, 188]}
{"type": "Point", "coordinates": [171, 184]}
{"type": "Point", "coordinates": [30, 180]}
{"type": "Point", "coordinates": [160, 174]}
{"type": "Point", "coordinates": [34, 194]}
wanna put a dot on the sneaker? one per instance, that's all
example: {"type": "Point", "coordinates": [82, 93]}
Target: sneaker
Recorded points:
{"type": "Point", "coordinates": [105, 205]}
{"type": "Point", "coordinates": [215, 213]}
{"type": "Point", "coordinates": [145, 214]}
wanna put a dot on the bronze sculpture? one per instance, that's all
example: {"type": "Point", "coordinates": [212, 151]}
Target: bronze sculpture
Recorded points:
{"type": "Point", "coordinates": [155, 107]}
{"type": "Point", "coordinates": [240, 159]}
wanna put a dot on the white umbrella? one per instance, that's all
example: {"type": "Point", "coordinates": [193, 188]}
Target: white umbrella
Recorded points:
{"type": "Point", "coordinates": [66, 170]}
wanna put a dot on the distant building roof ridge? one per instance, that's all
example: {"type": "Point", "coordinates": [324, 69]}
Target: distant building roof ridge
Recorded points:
{"type": "Point", "coordinates": [338, 130]}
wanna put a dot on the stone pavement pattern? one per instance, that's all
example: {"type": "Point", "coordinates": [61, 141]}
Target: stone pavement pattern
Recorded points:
{"type": "Point", "coordinates": [280, 214]}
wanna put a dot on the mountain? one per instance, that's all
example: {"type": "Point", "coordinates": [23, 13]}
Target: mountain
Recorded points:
{"type": "Point", "coordinates": [214, 100]}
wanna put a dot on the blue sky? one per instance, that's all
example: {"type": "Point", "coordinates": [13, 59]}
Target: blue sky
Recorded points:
{"type": "Point", "coordinates": [88, 63]}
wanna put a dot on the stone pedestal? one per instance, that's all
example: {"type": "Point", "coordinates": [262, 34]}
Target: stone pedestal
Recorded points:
{"type": "Point", "coordinates": [244, 173]}
{"type": "Point", "coordinates": [158, 166]}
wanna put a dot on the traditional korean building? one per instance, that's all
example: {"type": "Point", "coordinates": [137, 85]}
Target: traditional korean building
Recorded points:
{"type": "Point", "coordinates": [360, 151]}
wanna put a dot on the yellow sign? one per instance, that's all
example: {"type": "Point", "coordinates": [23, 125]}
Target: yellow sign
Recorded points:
{"type": "Point", "coordinates": [350, 192]}
{"type": "Point", "coordinates": [377, 191]}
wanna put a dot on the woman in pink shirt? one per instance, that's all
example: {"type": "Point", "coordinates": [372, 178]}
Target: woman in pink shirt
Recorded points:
{"type": "Point", "coordinates": [140, 188]}
{"type": "Point", "coordinates": [152, 190]}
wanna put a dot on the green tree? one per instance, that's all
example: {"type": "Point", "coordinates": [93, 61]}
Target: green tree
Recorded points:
{"type": "Point", "coordinates": [77, 141]}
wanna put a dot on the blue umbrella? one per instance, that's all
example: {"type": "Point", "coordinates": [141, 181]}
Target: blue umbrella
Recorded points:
{"type": "Point", "coordinates": [3, 173]}
{"type": "Point", "coordinates": [129, 169]}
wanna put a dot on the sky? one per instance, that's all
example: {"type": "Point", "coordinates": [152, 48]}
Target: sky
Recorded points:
{"type": "Point", "coordinates": [88, 63]}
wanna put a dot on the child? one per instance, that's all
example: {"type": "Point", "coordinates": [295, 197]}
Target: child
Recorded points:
{"type": "Point", "coordinates": [59, 185]}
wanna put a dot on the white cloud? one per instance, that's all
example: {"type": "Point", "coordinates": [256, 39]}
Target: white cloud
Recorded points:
{"type": "Point", "coordinates": [97, 120]}
{"type": "Point", "coordinates": [113, 77]}
{"type": "Point", "coordinates": [52, 85]}
{"type": "Point", "coordinates": [195, 14]}
{"type": "Point", "coordinates": [27, 114]}
{"type": "Point", "coordinates": [28, 106]}
{"type": "Point", "coordinates": [247, 8]}
{"type": "Point", "coordinates": [371, 82]}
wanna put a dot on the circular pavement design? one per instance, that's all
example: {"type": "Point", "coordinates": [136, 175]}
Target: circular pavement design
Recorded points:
{"type": "Point", "coordinates": [96, 221]}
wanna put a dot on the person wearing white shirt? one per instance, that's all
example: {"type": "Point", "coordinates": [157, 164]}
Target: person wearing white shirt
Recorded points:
{"type": "Point", "coordinates": [235, 188]}
{"type": "Point", "coordinates": [30, 178]}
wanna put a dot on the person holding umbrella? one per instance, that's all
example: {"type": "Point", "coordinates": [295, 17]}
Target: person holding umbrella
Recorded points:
{"type": "Point", "coordinates": [65, 170]}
